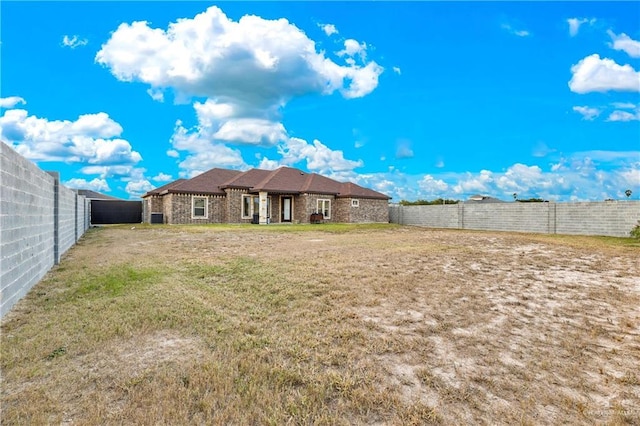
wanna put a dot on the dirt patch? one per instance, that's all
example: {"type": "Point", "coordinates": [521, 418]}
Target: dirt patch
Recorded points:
{"type": "Point", "coordinates": [482, 327]}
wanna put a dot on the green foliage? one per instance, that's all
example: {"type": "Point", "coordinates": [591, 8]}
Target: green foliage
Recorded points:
{"type": "Point", "coordinates": [635, 232]}
{"type": "Point", "coordinates": [437, 201]}
{"type": "Point", "coordinates": [531, 200]}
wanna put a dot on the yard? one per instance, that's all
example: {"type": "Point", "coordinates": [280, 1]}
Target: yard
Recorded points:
{"type": "Point", "coordinates": [327, 324]}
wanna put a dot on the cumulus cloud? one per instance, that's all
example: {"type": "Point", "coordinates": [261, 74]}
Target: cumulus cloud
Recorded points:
{"type": "Point", "coordinates": [397, 70]}
{"type": "Point", "coordinates": [11, 101]}
{"type": "Point", "coordinates": [575, 23]}
{"type": "Point", "coordinates": [587, 113]}
{"type": "Point", "coordinates": [624, 115]}
{"type": "Point", "coordinates": [92, 138]}
{"type": "Point", "coordinates": [625, 43]}
{"type": "Point", "coordinates": [173, 153]}
{"type": "Point", "coordinates": [329, 29]}
{"type": "Point", "coordinates": [317, 156]}
{"type": "Point", "coordinates": [99, 185]}
{"type": "Point", "coordinates": [593, 74]}
{"type": "Point", "coordinates": [156, 94]}
{"type": "Point", "coordinates": [162, 177]}
{"type": "Point", "coordinates": [117, 171]}
{"type": "Point", "coordinates": [253, 59]}
{"type": "Point", "coordinates": [247, 70]}
{"type": "Point", "coordinates": [137, 188]}
{"type": "Point", "coordinates": [432, 187]}
{"type": "Point", "coordinates": [74, 41]}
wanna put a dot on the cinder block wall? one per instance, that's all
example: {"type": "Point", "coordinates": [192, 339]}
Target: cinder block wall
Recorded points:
{"type": "Point", "coordinates": [26, 226]}
{"type": "Point", "coordinates": [67, 200]}
{"type": "Point", "coordinates": [39, 220]}
{"type": "Point", "coordinates": [608, 218]}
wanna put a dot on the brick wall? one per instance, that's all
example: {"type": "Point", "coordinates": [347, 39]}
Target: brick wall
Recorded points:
{"type": "Point", "coordinates": [367, 211]}
{"type": "Point", "coordinates": [608, 218]}
{"type": "Point", "coordinates": [180, 207]}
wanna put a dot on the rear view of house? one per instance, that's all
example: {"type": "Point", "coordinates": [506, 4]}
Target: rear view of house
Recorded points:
{"type": "Point", "coordinates": [263, 196]}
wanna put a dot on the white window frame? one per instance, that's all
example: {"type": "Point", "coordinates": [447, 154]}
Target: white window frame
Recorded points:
{"type": "Point", "coordinates": [252, 204]}
{"type": "Point", "coordinates": [193, 207]}
{"type": "Point", "coordinates": [355, 203]}
{"type": "Point", "coordinates": [321, 210]}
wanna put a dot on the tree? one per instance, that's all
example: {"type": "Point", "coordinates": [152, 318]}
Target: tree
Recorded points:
{"type": "Point", "coordinates": [628, 193]}
{"type": "Point", "coordinates": [515, 196]}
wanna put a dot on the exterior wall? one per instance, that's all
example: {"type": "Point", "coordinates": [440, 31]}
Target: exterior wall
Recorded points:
{"type": "Point", "coordinates": [152, 204]}
{"type": "Point", "coordinates": [181, 209]}
{"type": "Point", "coordinates": [368, 211]}
{"type": "Point", "coordinates": [67, 200]}
{"type": "Point", "coordinates": [234, 206]}
{"type": "Point", "coordinates": [30, 225]}
{"type": "Point", "coordinates": [609, 218]}
{"type": "Point", "coordinates": [308, 203]}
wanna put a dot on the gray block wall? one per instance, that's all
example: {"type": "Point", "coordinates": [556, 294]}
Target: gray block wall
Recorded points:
{"type": "Point", "coordinates": [31, 238]}
{"type": "Point", "coordinates": [608, 218]}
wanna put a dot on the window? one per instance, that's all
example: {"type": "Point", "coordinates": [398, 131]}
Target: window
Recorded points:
{"type": "Point", "coordinates": [251, 206]}
{"type": "Point", "coordinates": [199, 207]}
{"type": "Point", "coordinates": [324, 207]}
{"type": "Point", "coordinates": [355, 203]}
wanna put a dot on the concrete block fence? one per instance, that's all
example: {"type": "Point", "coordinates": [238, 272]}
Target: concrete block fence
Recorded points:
{"type": "Point", "coordinates": [607, 218]}
{"type": "Point", "coordinates": [40, 220]}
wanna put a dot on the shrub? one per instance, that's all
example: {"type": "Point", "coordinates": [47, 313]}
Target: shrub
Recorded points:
{"type": "Point", "coordinates": [635, 232]}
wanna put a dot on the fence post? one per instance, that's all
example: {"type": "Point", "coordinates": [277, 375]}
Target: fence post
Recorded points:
{"type": "Point", "coordinates": [56, 217]}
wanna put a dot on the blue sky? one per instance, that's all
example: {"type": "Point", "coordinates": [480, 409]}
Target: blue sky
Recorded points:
{"type": "Point", "coordinates": [418, 100]}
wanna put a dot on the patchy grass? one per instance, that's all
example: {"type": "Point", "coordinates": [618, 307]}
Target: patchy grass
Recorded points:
{"type": "Point", "coordinates": [327, 324]}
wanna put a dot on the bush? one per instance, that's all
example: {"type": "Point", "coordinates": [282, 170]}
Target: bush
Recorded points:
{"type": "Point", "coordinates": [635, 232]}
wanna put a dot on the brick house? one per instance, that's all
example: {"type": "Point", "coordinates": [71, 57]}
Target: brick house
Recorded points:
{"type": "Point", "coordinates": [263, 196]}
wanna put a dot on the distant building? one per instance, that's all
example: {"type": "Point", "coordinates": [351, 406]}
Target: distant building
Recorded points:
{"type": "Point", "coordinates": [483, 199]}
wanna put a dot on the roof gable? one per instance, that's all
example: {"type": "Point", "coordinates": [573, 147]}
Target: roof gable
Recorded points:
{"type": "Point", "coordinates": [163, 188]}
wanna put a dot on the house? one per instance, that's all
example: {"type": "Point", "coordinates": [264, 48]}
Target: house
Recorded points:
{"type": "Point", "coordinates": [478, 198]}
{"type": "Point", "coordinates": [263, 196]}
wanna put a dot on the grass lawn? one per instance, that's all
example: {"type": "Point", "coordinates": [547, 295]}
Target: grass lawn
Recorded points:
{"type": "Point", "coordinates": [327, 324]}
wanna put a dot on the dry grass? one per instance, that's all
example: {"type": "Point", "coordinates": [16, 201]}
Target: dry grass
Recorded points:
{"type": "Point", "coordinates": [327, 325]}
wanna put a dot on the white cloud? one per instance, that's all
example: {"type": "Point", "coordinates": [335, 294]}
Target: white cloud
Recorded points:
{"type": "Point", "coordinates": [575, 23]}
{"type": "Point", "coordinates": [353, 48]}
{"type": "Point", "coordinates": [173, 153]}
{"type": "Point", "coordinates": [432, 187]}
{"type": "Point", "coordinates": [156, 94]}
{"type": "Point", "coordinates": [118, 171]}
{"type": "Point", "coordinates": [162, 177]}
{"type": "Point", "coordinates": [403, 149]}
{"type": "Point", "coordinates": [319, 158]}
{"type": "Point", "coordinates": [624, 105]}
{"type": "Point", "coordinates": [11, 101]}
{"type": "Point", "coordinates": [252, 60]}
{"type": "Point", "coordinates": [624, 115]}
{"type": "Point", "coordinates": [92, 138]}
{"type": "Point", "coordinates": [397, 70]}
{"type": "Point", "coordinates": [625, 43]}
{"type": "Point", "coordinates": [587, 113]}
{"type": "Point", "coordinates": [251, 131]}
{"type": "Point", "coordinates": [137, 188]}
{"type": "Point", "coordinates": [329, 29]}
{"type": "Point", "coordinates": [99, 185]}
{"type": "Point", "coordinates": [593, 74]}
{"type": "Point", "coordinates": [514, 31]}
{"type": "Point", "coordinates": [247, 70]}
{"type": "Point", "coordinates": [74, 41]}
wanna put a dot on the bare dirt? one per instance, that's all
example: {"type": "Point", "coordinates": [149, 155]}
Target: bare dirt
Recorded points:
{"type": "Point", "coordinates": [490, 328]}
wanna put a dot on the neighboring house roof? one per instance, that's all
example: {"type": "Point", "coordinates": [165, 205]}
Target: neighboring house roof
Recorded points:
{"type": "Point", "coordinates": [284, 180]}
{"type": "Point", "coordinates": [93, 195]}
{"type": "Point", "coordinates": [483, 199]}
